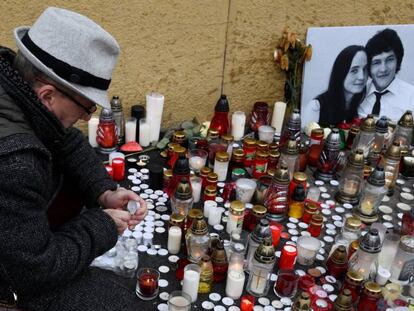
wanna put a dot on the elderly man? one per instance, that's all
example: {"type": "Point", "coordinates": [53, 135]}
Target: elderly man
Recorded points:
{"type": "Point", "coordinates": [386, 95]}
{"type": "Point", "coordinates": [61, 72]}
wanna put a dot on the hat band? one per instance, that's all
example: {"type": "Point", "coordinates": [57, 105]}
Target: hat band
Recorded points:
{"type": "Point", "coordinates": [64, 70]}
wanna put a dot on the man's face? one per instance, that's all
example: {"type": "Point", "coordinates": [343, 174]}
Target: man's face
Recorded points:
{"type": "Point", "coordinates": [383, 69]}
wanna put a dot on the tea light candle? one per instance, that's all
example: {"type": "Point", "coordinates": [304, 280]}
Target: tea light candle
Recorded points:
{"type": "Point", "coordinates": [144, 133]}
{"type": "Point", "coordinates": [92, 128]}
{"type": "Point", "coordinates": [174, 240]}
{"type": "Point", "coordinates": [238, 121]}
{"type": "Point", "coordinates": [130, 129]}
{"type": "Point", "coordinates": [235, 284]}
{"type": "Point", "coordinates": [190, 283]}
{"type": "Point", "coordinates": [278, 116]}
{"type": "Point", "coordinates": [155, 105]}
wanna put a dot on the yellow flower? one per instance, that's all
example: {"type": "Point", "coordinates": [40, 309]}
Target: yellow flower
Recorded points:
{"type": "Point", "coordinates": [308, 53]}
{"type": "Point", "coordinates": [284, 62]}
{"type": "Point", "coordinates": [277, 55]}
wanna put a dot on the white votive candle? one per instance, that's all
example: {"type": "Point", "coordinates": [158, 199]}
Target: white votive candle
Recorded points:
{"type": "Point", "coordinates": [130, 129]}
{"type": "Point", "coordinates": [92, 128]}
{"type": "Point", "coordinates": [174, 240]}
{"type": "Point", "coordinates": [190, 283]}
{"type": "Point", "coordinates": [196, 162]}
{"type": "Point", "coordinates": [196, 186]}
{"type": "Point", "coordinates": [278, 116]}
{"type": "Point", "coordinates": [214, 215]}
{"type": "Point", "coordinates": [155, 105]}
{"type": "Point", "coordinates": [235, 284]}
{"type": "Point", "coordinates": [144, 133]}
{"type": "Point", "coordinates": [207, 205]}
{"type": "Point", "coordinates": [238, 121]}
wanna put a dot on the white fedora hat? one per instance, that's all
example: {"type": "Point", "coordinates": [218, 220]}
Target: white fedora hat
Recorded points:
{"type": "Point", "coordinates": [72, 50]}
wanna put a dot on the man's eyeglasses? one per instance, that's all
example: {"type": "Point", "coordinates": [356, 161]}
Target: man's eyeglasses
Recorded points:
{"type": "Point", "coordinates": [89, 110]}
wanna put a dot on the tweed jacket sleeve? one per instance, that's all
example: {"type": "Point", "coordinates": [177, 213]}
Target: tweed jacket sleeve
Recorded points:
{"type": "Point", "coordinates": [77, 159]}
{"type": "Point", "coordinates": [32, 258]}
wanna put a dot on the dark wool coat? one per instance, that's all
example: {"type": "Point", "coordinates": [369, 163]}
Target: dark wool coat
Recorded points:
{"type": "Point", "coordinates": [49, 270]}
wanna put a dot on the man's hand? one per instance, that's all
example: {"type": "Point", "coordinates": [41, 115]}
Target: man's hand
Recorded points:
{"type": "Point", "coordinates": [121, 219]}
{"type": "Point", "coordinates": [119, 199]}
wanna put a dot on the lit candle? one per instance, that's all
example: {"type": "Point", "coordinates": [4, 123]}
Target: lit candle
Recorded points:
{"type": "Point", "coordinates": [367, 207]}
{"type": "Point", "coordinates": [247, 303]}
{"type": "Point", "coordinates": [235, 284]}
{"type": "Point", "coordinates": [238, 121]}
{"type": "Point", "coordinates": [92, 128]}
{"type": "Point", "coordinates": [155, 105]}
{"type": "Point", "coordinates": [130, 129]}
{"type": "Point", "coordinates": [278, 116]}
{"type": "Point", "coordinates": [190, 282]}
{"type": "Point", "coordinates": [144, 133]}
{"type": "Point", "coordinates": [174, 240]}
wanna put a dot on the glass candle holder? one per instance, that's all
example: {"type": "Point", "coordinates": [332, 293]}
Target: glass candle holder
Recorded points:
{"type": "Point", "coordinates": [245, 189]}
{"type": "Point", "coordinates": [266, 133]}
{"type": "Point", "coordinates": [197, 159]}
{"type": "Point", "coordinates": [307, 249]}
{"type": "Point", "coordinates": [286, 284]}
{"type": "Point", "coordinates": [179, 301]}
{"type": "Point", "coordinates": [247, 303]}
{"type": "Point", "coordinates": [147, 285]}
{"type": "Point", "coordinates": [191, 280]}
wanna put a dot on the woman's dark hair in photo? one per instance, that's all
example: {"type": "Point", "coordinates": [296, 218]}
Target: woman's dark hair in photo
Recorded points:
{"type": "Point", "coordinates": [385, 41]}
{"type": "Point", "coordinates": [332, 103]}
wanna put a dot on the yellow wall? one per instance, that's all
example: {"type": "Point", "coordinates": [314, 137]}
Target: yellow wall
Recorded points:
{"type": "Point", "coordinates": [177, 47]}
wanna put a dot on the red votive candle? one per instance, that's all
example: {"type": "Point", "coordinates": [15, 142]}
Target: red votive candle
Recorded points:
{"type": "Point", "coordinates": [147, 287]}
{"type": "Point", "coordinates": [287, 283]}
{"type": "Point", "coordinates": [275, 235]}
{"type": "Point", "coordinates": [247, 303]}
{"type": "Point", "coordinates": [288, 257]}
{"type": "Point", "coordinates": [110, 170]}
{"type": "Point", "coordinates": [118, 167]}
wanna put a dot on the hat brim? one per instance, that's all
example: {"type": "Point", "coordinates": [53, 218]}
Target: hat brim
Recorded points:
{"type": "Point", "coordinates": [99, 97]}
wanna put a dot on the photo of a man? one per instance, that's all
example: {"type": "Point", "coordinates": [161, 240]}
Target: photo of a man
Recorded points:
{"type": "Point", "coordinates": [386, 94]}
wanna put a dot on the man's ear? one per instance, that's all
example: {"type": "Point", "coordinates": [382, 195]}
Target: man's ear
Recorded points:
{"type": "Point", "coordinates": [47, 95]}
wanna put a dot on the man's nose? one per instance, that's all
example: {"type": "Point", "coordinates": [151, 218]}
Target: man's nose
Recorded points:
{"type": "Point", "coordinates": [382, 67]}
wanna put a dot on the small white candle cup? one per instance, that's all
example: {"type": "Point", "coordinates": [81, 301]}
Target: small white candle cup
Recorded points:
{"type": "Point", "coordinates": [144, 133]}
{"type": "Point", "coordinates": [235, 284]}
{"type": "Point", "coordinates": [307, 248]}
{"type": "Point", "coordinates": [130, 129]}
{"type": "Point", "coordinates": [238, 121]}
{"type": "Point", "coordinates": [197, 159]}
{"type": "Point", "coordinates": [179, 301]}
{"type": "Point", "coordinates": [207, 206]}
{"type": "Point", "coordinates": [214, 215]}
{"type": "Point", "coordinates": [92, 128]}
{"type": "Point", "coordinates": [266, 133]}
{"type": "Point", "coordinates": [115, 155]}
{"type": "Point", "coordinates": [245, 189]}
{"type": "Point", "coordinates": [174, 240]}
{"type": "Point", "coordinates": [196, 186]}
{"type": "Point", "coordinates": [191, 280]}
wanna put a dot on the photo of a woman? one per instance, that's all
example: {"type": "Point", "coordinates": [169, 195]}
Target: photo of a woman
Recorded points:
{"type": "Point", "coordinates": [345, 91]}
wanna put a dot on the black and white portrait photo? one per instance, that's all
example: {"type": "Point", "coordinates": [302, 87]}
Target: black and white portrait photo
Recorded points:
{"type": "Point", "coordinates": [356, 71]}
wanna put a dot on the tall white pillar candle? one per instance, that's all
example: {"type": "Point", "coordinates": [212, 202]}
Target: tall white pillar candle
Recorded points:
{"type": "Point", "coordinates": [144, 133]}
{"type": "Point", "coordinates": [238, 121]}
{"type": "Point", "coordinates": [190, 282]}
{"type": "Point", "coordinates": [196, 186]}
{"type": "Point", "coordinates": [155, 105]}
{"type": "Point", "coordinates": [279, 110]}
{"type": "Point", "coordinates": [207, 205]}
{"type": "Point", "coordinates": [174, 240]}
{"type": "Point", "coordinates": [130, 129]}
{"type": "Point", "coordinates": [92, 128]}
{"type": "Point", "coordinates": [214, 215]}
{"type": "Point", "coordinates": [235, 284]}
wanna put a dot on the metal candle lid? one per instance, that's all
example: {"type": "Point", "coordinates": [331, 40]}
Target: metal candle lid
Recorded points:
{"type": "Point", "coordinates": [282, 174]}
{"type": "Point", "coordinates": [291, 147]}
{"type": "Point", "coordinates": [116, 104]}
{"type": "Point", "coordinates": [261, 231]}
{"type": "Point", "coordinates": [382, 125]}
{"type": "Point", "coordinates": [199, 226]}
{"type": "Point", "coordinates": [344, 301]}
{"type": "Point", "coordinates": [302, 302]}
{"type": "Point", "coordinates": [339, 256]}
{"type": "Point", "coordinates": [368, 125]}
{"type": "Point", "coordinates": [371, 242]}
{"type": "Point", "coordinates": [407, 243]}
{"type": "Point", "coordinates": [377, 177]}
{"type": "Point", "coordinates": [265, 253]}
{"type": "Point", "coordinates": [353, 223]}
{"type": "Point", "coordinates": [106, 115]}
{"type": "Point", "coordinates": [294, 120]}
{"type": "Point", "coordinates": [259, 210]}
{"type": "Point", "coordinates": [183, 191]}
{"type": "Point", "coordinates": [222, 104]}
{"type": "Point", "coordinates": [406, 119]}
{"type": "Point", "coordinates": [237, 207]}
{"type": "Point", "coordinates": [181, 166]}
{"type": "Point", "coordinates": [394, 151]}
{"type": "Point", "coordinates": [333, 141]}
{"type": "Point", "coordinates": [356, 159]}
{"type": "Point", "coordinates": [218, 255]}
